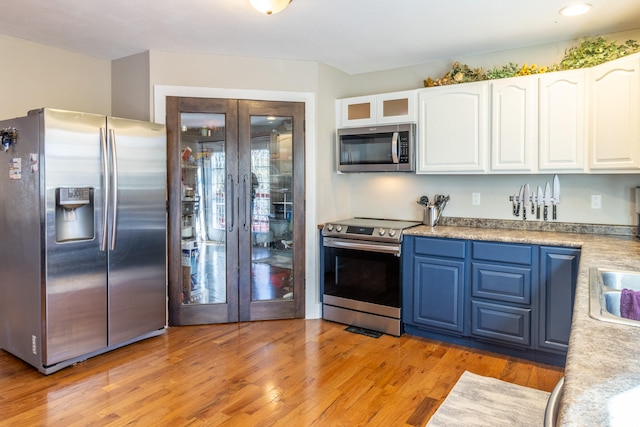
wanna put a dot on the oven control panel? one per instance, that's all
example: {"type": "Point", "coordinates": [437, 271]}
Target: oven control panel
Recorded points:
{"type": "Point", "coordinates": [362, 232]}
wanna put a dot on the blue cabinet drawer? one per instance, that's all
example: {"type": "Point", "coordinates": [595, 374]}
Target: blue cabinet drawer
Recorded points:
{"type": "Point", "coordinates": [503, 252]}
{"type": "Point", "coordinates": [501, 282]}
{"type": "Point", "coordinates": [501, 322]}
{"type": "Point", "coordinates": [447, 248]}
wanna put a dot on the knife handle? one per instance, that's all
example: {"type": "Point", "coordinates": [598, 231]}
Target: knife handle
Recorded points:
{"type": "Point", "coordinates": [538, 212]}
{"type": "Point", "coordinates": [546, 212]}
{"type": "Point", "coordinates": [554, 212]}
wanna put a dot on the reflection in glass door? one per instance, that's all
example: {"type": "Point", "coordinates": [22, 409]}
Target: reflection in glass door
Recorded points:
{"type": "Point", "coordinates": [271, 210]}
{"type": "Point", "coordinates": [202, 155]}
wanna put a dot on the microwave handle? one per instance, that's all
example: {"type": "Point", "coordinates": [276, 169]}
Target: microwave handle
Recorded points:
{"type": "Point", "coordinates": [394, 147]}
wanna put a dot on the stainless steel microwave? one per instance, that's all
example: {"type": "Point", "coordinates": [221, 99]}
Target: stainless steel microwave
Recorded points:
{"type": "Point", "coordinates": [388, 148]}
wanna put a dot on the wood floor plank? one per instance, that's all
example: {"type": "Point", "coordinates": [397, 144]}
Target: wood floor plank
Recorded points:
{"type": "Point", "coordinates": [278, 373]}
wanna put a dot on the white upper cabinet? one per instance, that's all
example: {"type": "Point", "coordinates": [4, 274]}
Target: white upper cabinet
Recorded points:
{"type": "Point", "coordinates": [386, 108]}
{"type": "Point", "coordinates": [614, 120]}
{"type": "Point", "coordinates": [562, 121]}
{"type": "Point", "coordinates": [453, 129]}
{"type": "Point", "coordinates": [575, 121]}
{"type": "Point", "coordinates": [514, 125]}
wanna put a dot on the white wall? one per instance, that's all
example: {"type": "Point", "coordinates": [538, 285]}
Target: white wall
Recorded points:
{"type": "Point", "coordinates": [131, 91]}
{"type": "Point", "coordinates": [333, 197]}
{"type": "Point", "coordinates": [394, 195]}
{"type": "Point", "coordinates": [36, 76]}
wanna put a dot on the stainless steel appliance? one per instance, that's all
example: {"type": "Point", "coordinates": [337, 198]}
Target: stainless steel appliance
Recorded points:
{"type": "Point", "coordinates": [83, 226]}
{"type": "Point", "coordinates": [387, 148]}
{"type": "Point", "coordinates": [360, 264]}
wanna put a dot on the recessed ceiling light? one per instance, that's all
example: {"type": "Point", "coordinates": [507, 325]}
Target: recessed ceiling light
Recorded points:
{"type": "Point", "coordinates": [575, 9]}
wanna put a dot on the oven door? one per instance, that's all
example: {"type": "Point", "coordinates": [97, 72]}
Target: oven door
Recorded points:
{"type": "Point", "coordinates": [361, 284]}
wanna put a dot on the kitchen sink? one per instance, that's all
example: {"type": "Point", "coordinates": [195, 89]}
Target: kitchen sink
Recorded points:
{"type": "Point", "coordinates": [605, 288]}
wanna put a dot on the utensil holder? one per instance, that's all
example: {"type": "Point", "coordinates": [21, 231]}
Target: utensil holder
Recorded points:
{"type": "Point", "coordinates": [431, 216]}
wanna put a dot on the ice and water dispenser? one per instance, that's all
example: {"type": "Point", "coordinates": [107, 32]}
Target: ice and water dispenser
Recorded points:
{"type": "Point", "coordinates": [74, 214]}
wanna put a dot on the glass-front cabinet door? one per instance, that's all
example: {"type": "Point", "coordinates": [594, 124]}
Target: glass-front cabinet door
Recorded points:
{"type": "Point", "coordinates": [272, 159]}
{"type": "Point", "coordinates": [236, 172]}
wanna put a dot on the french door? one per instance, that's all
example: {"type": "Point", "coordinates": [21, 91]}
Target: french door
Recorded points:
{"type": "Point", "coordinates": [236, 210]}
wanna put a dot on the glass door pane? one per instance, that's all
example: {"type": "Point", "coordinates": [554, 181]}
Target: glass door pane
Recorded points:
{"type": "Point", "coordinates": [271, 208]}
{"type": "Point", "coordinates": [203, 178]}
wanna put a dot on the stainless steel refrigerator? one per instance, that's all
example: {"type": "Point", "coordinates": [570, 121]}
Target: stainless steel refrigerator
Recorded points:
{"type": "Point", "coordinates": [83, 216]}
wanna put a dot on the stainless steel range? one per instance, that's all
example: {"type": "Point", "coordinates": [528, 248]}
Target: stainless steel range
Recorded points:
{"type": "Point", "coordinates": [360, 261]}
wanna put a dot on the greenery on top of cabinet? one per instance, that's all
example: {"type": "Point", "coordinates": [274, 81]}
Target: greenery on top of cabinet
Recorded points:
{"type": "Point", "coordinates": [596, 51]}
{"type": "Point", "coordinates": [590, 52]}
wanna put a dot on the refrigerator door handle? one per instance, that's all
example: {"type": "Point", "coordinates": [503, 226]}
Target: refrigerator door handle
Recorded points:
{"type": "Point", "coordinates": [231, 198]}
{"type": "Point", "coordinates": [245, 189]}
{"type": "Point", "coordinates": [114, 174]}
{"type": "Point", "coordinates": [105, 186]}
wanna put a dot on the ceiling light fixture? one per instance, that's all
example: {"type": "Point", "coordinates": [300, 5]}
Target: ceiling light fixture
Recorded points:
{"type": "Point", "coordinates": [575, 9]}
{"type": "Point", "coordinates": [270, 6]}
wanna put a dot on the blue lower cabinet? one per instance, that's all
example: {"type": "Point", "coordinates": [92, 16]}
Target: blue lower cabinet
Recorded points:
{"type": "Point", "coordinates": [434, 288]}
{"type": "Point", "coordinates": [558, 276]}
{"type": "Point", "coordinates": [501, 322]}
{"type": "Point", "coordinates": [439, 293]}
{"type": "Point", "coordinates": [502, 283]}
{"type": "Point", "coordinates": [506, 297]}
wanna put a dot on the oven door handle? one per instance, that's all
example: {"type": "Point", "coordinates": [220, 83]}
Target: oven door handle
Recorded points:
{"type": "Point", "coordinates": [383, 248]}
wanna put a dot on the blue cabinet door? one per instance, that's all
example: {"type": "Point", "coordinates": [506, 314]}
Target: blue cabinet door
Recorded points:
{"type": "Point", "coordinates": [558, 275]}
{"type": "Point", "coordinates": [438, 293]}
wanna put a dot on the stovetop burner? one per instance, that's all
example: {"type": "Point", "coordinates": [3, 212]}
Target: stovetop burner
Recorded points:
{"type": "Point", "coordinates": [373, 229]}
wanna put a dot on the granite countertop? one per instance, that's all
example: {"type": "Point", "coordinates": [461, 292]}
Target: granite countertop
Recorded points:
{"type": "Point", "coordinates": [602, 373]}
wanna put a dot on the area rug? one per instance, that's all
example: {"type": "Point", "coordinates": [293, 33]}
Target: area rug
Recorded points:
{"type": "Point", "coordinates": [482, 401]}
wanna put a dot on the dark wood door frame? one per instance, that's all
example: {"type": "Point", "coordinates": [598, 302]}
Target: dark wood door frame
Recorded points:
{"type": "Point", "coordinates": [239, 306]}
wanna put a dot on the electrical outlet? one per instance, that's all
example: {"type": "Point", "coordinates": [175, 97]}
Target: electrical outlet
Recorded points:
{"type": "Point", "coordinates": [596, 201]}
{"type": "Point", "coordinates": [475, 198]}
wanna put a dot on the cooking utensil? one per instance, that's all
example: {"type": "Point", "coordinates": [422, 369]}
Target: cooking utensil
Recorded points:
{"type": "Point", "coordinates": [424, 201]}
{"type": "Point", "coordinates": [547, 200]}
{"type": "Point", "coordinates": [520, 197]}
{"type": "Point", "coordinates": [556, 196]}
{"type": "Point", "coordinates": [539, 202]}
{"type": "Point", "coordinates": [525, 202]}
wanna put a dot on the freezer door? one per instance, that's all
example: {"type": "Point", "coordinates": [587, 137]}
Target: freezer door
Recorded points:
{"type": "Point", "coordinates": [74, 286]}
{"type": "Point", "coordinates": [20, 244]}
{"type": "Point", "coordinates": [137, 235]}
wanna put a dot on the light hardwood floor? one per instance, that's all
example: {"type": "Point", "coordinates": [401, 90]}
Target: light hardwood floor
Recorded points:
{"type": "Point", "coordinates": [282, 373]}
